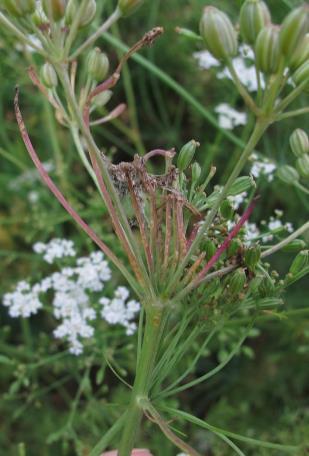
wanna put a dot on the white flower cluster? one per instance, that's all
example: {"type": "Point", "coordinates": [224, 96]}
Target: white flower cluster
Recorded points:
{"type": "Point", "coordinates": [237, 200]}
{"type": "Point", "coordinates": [229, 118]}
{"type": "Point", "coordinates": [274, 226]}
{"type": "Point", "coordinates": [73, 291]}
{"type": "Point", "coordinates": [23, 301]}
{"type": "Point", "coordinates": [262, 167]}
{"type": "Point", "coordinates": [243, 65]}
{"type": "Point", "coordinates": [118, 311]}
{"type": "Point", "coordinates": [55, 249]}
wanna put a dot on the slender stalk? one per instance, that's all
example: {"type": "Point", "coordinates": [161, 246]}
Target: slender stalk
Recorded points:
{"type": "Point", "coordinates": [19, 34]}
{"type": "Point", "coordinates": [286, 241]}
{"type": "Point", "coordinates": [105, 26]}
{"type": "Point", "coordinates": [297, 112]}
{"type": "Point", "coordinates": [153, 329]}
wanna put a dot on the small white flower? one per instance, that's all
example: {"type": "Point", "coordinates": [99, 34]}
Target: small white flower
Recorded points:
{"type": "Point", "coordinates": [237, 200]}
{"type": "Point", "coordinates": [55, 249]}
{"type": "Point", "coordinates": [229, 118]}
{"type": "Point", "coordinates": [263, 168]}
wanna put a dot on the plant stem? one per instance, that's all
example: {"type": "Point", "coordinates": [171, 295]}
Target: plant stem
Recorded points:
{"type": "Point", "coordinates": [286, 241]}
{"type": "Point", "coordinates": [105, 26]}
{"type": "Point", "coordinates": [152, 335]}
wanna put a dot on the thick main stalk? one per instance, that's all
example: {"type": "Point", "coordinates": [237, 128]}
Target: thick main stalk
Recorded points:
{"type": "Point", "coordinates": [152, 335]}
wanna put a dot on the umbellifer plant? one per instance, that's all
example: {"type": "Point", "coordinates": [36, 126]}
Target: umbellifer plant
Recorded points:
{"type": "Point", "coordinates": [189, 265]}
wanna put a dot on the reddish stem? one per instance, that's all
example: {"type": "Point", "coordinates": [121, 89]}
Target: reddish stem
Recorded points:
{"type": "Point", "coordinates": [226, 243]}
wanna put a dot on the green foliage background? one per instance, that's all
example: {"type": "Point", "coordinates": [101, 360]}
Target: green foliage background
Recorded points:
{"type": "Point", "coordinates": [52, 403]}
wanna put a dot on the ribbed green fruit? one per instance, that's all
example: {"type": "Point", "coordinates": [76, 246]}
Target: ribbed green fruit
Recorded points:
{"type": "Point", "coordinates": [302, 75]}
{"type": "Point", "coordinates": [302, 166]}
{"type": "Point", "coordinates": [87, 16]}
{"type": "Point", "coordinates": [288, 174]}
{"type": "Point", "coordinates": [186, 154]}
{"type": "Point", "coordinates": [299, 142]}
{"type": "Point", "coordinates": [97, 64]}
{"type": "Point", "coordinates": [293, 30]}
{"type": "Point", "coordinates": [49, 76]}
{"type": "Point", "coordinates": [218, 33]}
{"type": "Point", "coordinates": [267, 50]}
{"type": "Point", "coordinates": [254, 15]}
{"type": "Point", "coordinates": [54, 7]}
{"type": "Point", "coordinates": [300, 262]}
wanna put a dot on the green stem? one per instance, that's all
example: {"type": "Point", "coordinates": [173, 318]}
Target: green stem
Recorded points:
{"type": "Point", "coordinates": [105, 440]}
{"type": "Point", "coordinates": [105, 26]}
{"type": "Point", "coordinates": [286, 241]}
{"type": "Point", "coordinates": [23, 38]}
{"type": "Point", "coordinates": [297, 112]}
{"type": "Point", "coordinates": [152, 335]}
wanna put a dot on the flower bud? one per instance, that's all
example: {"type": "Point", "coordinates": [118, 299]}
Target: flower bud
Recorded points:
{"type": "Point", "coordinates": [102, 98]}
{"type": "Point", "coordinates": [294, 246]}
{"type": "Point", "coordinates": [237, 281]}
{"type": "Point", "coordinates": [209, 248]}
{"type": "Point", "coordinates": [49, 76]}
{"type": "Point", "coordinates": [127, 7]}
{"type": "Point", "coordinates": [55, 8]}
{"type": "Point", "coordinates": [300, 262]}
{"type": "Point", "coordinates": [302, 166]}
{"type": "Point", "coordinates": [288, 174]}
{"type": "Point", "coordinates": [218, 33]}
{"type": "Point", "coordinates": [252, 257]}
{"type": "Point", "coordinates": [98, 64]}
{"type": "Point", "coordinates": [87, 16]}
{"type": "Point", "coordinates": [299, 142]}
{"type": "Point", "coordinates": [266, 287]}
{"type": "Point", "coordinates": [234, 247]}
{"type": "Point", "coordinates": [186, 154]}
{"type": "Point", "coordinates": [19, 8]}
{"type": "Point", "coordinates": [254, 15]}
{"type": "Point", "coordinates": [293, 30]}
{"type": "Point", "coordinates": [267, 49]}
{"type": "Point", "coordinates": [226, 210]}
{"type": "Point", "coordinates": [301, 55]}
{"type": "Point", "coordinates": [241, 184]}
{"type": "Point", "coordinates": [196, 173]}
{"type": "Point", "coordinates": [254, 285]}
{"type": "Point", "coordinates": [302, 75]}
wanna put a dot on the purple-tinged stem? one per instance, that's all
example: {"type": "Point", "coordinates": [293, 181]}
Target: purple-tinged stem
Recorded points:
{"type": "Point", "coordinates": [226, 243]}
{"type": "Point", "coordinates": [56, 192]}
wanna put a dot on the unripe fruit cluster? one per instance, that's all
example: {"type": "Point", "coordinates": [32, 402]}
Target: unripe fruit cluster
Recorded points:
{"type": "Point", "coordinates": [275, 47]}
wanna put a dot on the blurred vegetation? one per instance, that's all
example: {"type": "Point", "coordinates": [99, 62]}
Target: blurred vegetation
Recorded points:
{"type": "Point", "coordinates": [52, 403]}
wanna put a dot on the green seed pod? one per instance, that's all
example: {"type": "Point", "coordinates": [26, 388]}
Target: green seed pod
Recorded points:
{"type": "Point", "coordinates": [299, 142]}
{"type": "Point", "coordinates": [103, 98]}
{"type": "Point", "coordinates": [300, 262]}
{"type": "Point", "coordinates": [302, 166]}
{"type": "Point", "coordinates": [302, 75]}
{"type": "Point", "coordinates": [293, 30]}
{"type": "Point", "coordinates": [252, 257]}
{"type": "Point", "coordinates": [267, 49]}
{"type": "Point", "coordinates": [241, 184]}
{"type": "Point", "coordinates": [254, 285]}
{"type": "Point", "coordinates": [97, 64]}
{"type": "Point", "coordinates": [254, 15]}
{"type": "Point", "coordinates": [186, 155]}
{"type": "Point", "coordinates": [301, 54]}
{"type": "Point", "coordinates": [209, 248]}
{"type": "Point", "coordinates": [218, 33]}
{"type": "Point", "coordinates": [19, 8]}
{"type": "Point", "coordinates": [226, 210]}
{"type": "Point", "coordinates": [87, 16]}
{"type": "Point", "coordinates": [196, 173]}
{"type": "Point", "coordinates": [294, 246]}
{"type": "Point", "coordinates": [288, 174]}
{"type": "Point", "coordinates": [234, 247]}
{"type": "Point", "coordinates": [127, 7]}
{"type": "Point", "coordinates": [55, 8]}
{"type": "Point", "coordinates": [49, 76]}
{"type": "Point", "coordinates": [266, 287]}
{"type": "Point", "coordinates": [237, 281]}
